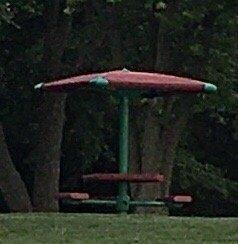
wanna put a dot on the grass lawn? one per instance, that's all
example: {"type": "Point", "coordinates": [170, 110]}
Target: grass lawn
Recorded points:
{"type": "Point", "coordinates": [101, 228]}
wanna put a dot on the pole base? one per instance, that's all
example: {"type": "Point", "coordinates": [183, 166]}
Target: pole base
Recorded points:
{"type": "Point", "coordinates": [123, 204]}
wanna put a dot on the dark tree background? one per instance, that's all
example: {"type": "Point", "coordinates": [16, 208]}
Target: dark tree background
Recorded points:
{"type": "Point", "coordinates": [48, 141]}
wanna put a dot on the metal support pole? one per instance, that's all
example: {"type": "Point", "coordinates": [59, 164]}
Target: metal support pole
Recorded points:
{"type": "Point", "coordinates": [123, 199]}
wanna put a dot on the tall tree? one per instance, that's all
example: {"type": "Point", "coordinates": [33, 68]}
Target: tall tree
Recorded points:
{"type": "Point", "coordinates": [165, 118]}
{"type": "Point", "coordinates": [12, 186]}
{"type": "Point", "coordinates": [45, 156]}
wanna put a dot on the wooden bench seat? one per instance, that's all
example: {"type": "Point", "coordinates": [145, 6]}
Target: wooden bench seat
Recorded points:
{"type": "Point", "coordinates": [179, 199]}
{"type": "Point", "coordinates": [72, 195]}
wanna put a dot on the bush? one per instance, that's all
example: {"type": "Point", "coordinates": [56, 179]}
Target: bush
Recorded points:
{"type": "Point", "coordinates": [213, 194]}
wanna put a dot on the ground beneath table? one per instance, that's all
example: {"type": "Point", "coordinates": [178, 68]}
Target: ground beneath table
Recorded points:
{"type": "Point", "coordinates": [101, 228]}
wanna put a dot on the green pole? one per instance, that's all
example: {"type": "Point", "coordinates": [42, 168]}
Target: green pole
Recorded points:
{"type": "Point", "coordinates": [123, 198]}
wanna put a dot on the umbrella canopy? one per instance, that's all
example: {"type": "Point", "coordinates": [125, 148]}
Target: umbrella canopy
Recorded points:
{"type": "Point", "coordinates": [119, 80]}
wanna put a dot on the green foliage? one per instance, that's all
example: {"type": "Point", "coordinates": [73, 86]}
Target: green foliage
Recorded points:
{"type": "Point", "coordinates": [6, 15]}
{"type": "Point", "coordinates": [213, 194]}
{"type": "Point", "coordinates": [86, 137]}
{"type": "Point", "coordinates": [113, 1]}
{"type": "Point", "coordinates": [72, 6]}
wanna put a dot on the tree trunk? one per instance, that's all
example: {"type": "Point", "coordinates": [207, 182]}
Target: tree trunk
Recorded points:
{"type": "Point", "coordinates": [175, 120]}
{"type": "Point", "coordinates": [136, 132]}
{"type": "Point", "coordinates": [161, 134]}
{"type": "Point", "coordinates": [45, 157]}
{"type": "Point", "coordinates": [144, 155]}
{"type": "Point", "coordinates": [11, 185]}
{"type": "Point", "coordinates": [144, 151]}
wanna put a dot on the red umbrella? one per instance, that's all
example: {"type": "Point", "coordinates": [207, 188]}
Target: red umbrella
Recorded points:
{"type": "Point", "coordinates": [119, 80]}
